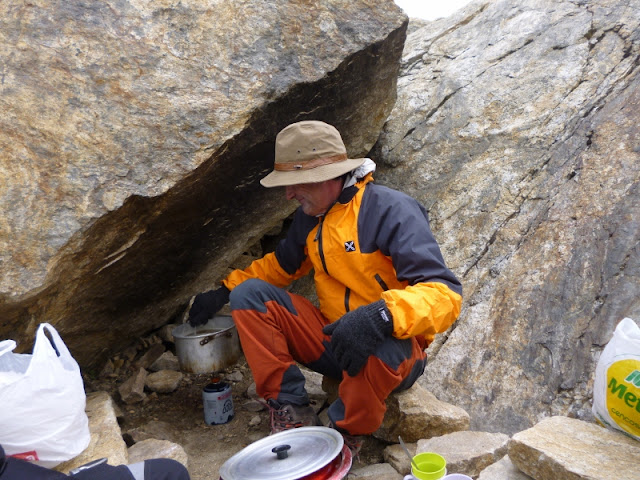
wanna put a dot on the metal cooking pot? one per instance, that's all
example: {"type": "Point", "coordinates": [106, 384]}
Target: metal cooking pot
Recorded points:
{"type": "Point", "coordinates": [207, 348]}
{"type": "Point", "coordinates": [305, 453]}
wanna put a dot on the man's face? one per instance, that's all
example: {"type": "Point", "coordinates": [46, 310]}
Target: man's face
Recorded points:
{"type": "Point", "coordinates": [315, 198]}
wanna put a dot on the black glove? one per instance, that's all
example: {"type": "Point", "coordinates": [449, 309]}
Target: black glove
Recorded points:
{"type": "Point", "coordinates": [206, 305]}
{"type": "Point", "coordinates": [357, 334]}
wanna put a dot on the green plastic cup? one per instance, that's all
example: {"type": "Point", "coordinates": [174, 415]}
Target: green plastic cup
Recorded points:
{"type": "Point", "coordinates": [431, 466]}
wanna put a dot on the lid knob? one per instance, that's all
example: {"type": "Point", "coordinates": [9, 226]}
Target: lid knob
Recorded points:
{"type": "Point", "coordinates": [281, 451]}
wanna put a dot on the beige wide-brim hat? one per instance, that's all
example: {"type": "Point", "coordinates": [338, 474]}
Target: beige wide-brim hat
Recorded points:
{"type": "Point", "coordinates": [309, 152]}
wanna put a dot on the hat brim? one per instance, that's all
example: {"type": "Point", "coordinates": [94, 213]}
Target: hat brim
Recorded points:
{"type": "Point", "coordinates": [312, 175]}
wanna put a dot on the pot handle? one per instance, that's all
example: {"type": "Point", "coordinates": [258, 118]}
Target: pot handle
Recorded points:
{"type": "Point", "coordinates": [206, 340]}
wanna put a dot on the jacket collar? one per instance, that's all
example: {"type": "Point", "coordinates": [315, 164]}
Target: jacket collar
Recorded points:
{"type": "Point", "coordinates": [349, 192]}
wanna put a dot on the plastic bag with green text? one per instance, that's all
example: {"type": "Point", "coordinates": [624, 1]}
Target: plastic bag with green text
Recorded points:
{"type": "Point", "coordinates": [616, 390]}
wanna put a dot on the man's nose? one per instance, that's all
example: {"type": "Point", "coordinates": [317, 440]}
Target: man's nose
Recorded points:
{"type": "Point", "coordinates": [290, 192]}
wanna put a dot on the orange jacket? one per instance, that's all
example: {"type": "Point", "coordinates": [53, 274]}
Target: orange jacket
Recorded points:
{"type": "Point", "coordinates": [374, 243]}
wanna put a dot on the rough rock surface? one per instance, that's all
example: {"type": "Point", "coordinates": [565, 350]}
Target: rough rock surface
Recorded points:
{"type": "Point", "coordinates": [561, 447]}
{"type": "Point", "coordinates": [504, 469]}
{"type": "Point", "coordinates": [379, 471]}
{"type": "Point", "coordinates": [132, 390]}
{"type": "Point", "coordinates": [154, 448]}
{"type": "Point", "coordinates": [163, 381]}
{"type": "Point", "coordinates": [467, 452]}
{"type": "Point", "coordinates": [133, 135]}
{"type": "Point", "coordinates": [517, 125]}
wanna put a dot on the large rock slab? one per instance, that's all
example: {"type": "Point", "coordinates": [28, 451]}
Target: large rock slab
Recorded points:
{"type": "Point", "coordinates": [467, 452]}
{"type": "Point", "coordinates": [378, 471]}
{"type": "Point", "coordinates": [133, 135]}
{"type": "Point", "coordinates": [503, 469]}
{"type": "Point", "coordinates": [416, 414]}
{"type": "Point", "coordinates": [395, 456]}
{"type": "Point", "coordinates": [562, 447]}
{"type": "Point", "coordinates": [517, 126]}
{"type": "Point", "coordinates": [154, 448]}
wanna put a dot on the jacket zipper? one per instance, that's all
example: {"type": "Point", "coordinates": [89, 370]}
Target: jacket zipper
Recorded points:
{"type": "Point", "coordinates": [347, 294]}
{"type": "Point", "coordinates": [318, 238]}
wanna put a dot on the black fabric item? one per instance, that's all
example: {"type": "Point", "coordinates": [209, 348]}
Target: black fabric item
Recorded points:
{"type": "Point", "coordinates": [164, 469]}
{"type": "Point", "coordinates": [104, 472]}
{"type": "Point", "coordinates": [207, 304]}
{"type": "Point", "coordinates": [357, 334]}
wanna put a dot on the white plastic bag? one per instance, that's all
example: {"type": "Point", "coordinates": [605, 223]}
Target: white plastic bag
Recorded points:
{"type": "Point", "coordinates": [616, 389]}
{"type": "Point", "coordinates": [42, 401]}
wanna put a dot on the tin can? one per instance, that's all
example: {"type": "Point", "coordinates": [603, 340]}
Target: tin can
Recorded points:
{"type": "Point", "coordinates": [218, 403]}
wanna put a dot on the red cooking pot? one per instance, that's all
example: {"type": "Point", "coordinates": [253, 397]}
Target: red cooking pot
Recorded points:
{"type": "Point", "coordinates": [306, 453]}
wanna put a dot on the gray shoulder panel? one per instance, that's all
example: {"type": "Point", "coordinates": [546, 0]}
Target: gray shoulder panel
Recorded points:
{"type": "Point", "coordinates": [398, 226]}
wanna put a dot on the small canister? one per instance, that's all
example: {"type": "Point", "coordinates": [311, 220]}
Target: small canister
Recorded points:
{"type": "Point", "coordinates": [218, 403]}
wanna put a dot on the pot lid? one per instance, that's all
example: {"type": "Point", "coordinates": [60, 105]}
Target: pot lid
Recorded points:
{"type": "Point", "coordinates": [310, 449]}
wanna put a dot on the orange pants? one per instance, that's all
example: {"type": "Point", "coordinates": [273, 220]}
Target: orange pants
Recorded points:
{"type": "Point", "coordinates": [278, 329]}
